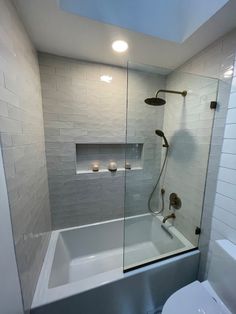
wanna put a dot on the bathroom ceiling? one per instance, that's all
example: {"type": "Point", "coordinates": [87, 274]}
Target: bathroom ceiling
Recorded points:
{"type": "Point", "coordinates": [55, 30]}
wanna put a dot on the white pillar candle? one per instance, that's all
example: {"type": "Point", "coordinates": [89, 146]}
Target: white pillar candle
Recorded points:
{"type": "Point", "coordinates": [127, 165]}
{"type": "Point", "coordinates": [95, 166]}
{"type": "Point", "coordinates": [112, 166]}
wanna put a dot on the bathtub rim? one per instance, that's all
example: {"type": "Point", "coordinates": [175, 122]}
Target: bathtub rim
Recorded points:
{"type": "Point", "coordinates": [188, 246]}
{"type": "Point", "coordinates": [44, 295]}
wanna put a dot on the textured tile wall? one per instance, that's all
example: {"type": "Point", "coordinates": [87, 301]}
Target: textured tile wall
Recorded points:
{"type": "Point", "coordinates": [188, 124]}
{"type": "Point", "coordinates": [22, 139]}
{"type": "Point", "coordinates": [214, 61]}
{"type": "Point", "coordinates": [88, 155]}
{"type": "Point", "coordinates": [224, 212]}
{"type": "Point", "coordinates": [142, 121]}
{"type": "Point", "coordinates": [79, 108]}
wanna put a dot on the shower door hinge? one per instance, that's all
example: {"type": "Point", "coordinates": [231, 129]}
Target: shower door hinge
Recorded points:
{"type": "Point", "coordinates": [213, 104]}
{"type": "Point", "coordinates": [197, 230]}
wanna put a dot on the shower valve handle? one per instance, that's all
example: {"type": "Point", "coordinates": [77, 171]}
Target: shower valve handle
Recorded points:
{"type": "Point", "coordinates": [175, 201]}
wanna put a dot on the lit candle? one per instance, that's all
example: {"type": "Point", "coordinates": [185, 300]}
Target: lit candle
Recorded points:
{"type": "Point", "coordinates": [112, 166]}
{"type": "Point", "coordinates": [127, 165]}
{"type": "Point", "coordinates": [95, 167]}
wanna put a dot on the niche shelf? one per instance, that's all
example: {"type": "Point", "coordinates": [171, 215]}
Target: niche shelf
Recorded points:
{"type": "Point", "coordinates": [102, 154]}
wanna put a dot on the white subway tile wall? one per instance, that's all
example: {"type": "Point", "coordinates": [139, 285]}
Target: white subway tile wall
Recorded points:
{"type": "Point", "coordinates": [214, 61]}
{"type": "Point", "coordinates": [188, 127]}
{"type": "Point", "coordinates": [224, 214]}
{"type": "Point", "coordinates": [22, 140]}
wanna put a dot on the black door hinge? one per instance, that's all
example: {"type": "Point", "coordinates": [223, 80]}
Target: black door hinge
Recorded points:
{"type": "Point", "coordinates": [197, 230]}
{"type": "Point", "coordinates": [213, 104]}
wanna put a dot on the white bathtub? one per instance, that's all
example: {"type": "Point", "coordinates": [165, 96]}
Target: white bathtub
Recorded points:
{"type": "Point", "coordinates": [146, 241]}
{"type": "Point", "coordinates": [87, 257]}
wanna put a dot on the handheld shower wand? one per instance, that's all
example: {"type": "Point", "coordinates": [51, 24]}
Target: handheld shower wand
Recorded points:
{"type": "Point", "coordinates": [166, 144]}
{"type": "Point", "coordinates": [161, 134]}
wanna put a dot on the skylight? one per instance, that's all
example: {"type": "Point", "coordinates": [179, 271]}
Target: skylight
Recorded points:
{"type": "Point", "coordinates": [173, 20]}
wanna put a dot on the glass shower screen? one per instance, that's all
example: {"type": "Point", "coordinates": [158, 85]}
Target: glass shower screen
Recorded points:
{"type": "Point", "coordinates": [163, 218]}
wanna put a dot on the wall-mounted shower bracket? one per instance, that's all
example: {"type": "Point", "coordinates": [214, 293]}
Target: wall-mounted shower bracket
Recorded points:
{"type": "Point", "coordinates": [213, 104]}
{"type": "Point", "coordinates": [197, 230]}
{"type": "Point", "coordinates": [156, 101]}
{"type": "Point", "coordinates": [183, 93]}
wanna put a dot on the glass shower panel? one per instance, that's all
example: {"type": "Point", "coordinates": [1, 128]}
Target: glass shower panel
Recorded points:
{"type": "Point", "coordinates": [162, 218]}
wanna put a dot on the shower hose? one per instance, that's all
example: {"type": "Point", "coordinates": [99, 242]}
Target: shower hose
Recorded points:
{"type": "Point", "coordinates": [158, 211]}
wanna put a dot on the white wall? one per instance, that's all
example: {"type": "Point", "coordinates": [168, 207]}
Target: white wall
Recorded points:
{"type": "Point", "coordinates": [214, 61]}
{"type": "Point", "coordinates": [224, 213]}
{"type": "Point", "coordinates": [10, 293]}
{"type": "Point", "coordinates": [23, 150]}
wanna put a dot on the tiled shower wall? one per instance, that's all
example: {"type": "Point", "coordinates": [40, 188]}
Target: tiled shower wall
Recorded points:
{"type": "Point", "coordinates": [142, 121]}
{"type": "Point", "coordinates": [79, 108]}
{"type": "Point", "coordinates": [214, 61]}
{"type": "Point", "coordinates": [188, 125]}
{"type": "Point", "coordinates": [22, 140]}
{"type": "Point", "coordinates": [224, 213]}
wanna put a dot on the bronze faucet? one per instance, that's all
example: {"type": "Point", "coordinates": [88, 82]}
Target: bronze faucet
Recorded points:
{"type": "Point", "coordinates": [169, 216]}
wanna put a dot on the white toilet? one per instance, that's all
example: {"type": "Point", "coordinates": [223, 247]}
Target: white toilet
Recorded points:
{"type": "Point", "coordinates": [217, 295]}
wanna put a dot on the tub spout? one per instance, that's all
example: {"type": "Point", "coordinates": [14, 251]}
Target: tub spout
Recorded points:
{"type": "Point", "coordinates": [168, 217]}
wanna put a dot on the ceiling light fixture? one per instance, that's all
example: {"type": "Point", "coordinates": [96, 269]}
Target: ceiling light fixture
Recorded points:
{"type": "Point", "coordinates": [120, 46]}
{"type": "Point", "coordinates": [106, 78]}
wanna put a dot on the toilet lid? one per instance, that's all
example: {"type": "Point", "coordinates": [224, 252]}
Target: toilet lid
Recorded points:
{"type": "Point", "coordinates": [191, 299]}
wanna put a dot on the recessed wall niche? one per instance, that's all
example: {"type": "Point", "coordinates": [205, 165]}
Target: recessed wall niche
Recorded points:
{"type": "Point", "coordinates": [89, 156]}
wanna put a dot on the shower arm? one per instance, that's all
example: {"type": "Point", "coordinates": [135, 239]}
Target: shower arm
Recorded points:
{"type": "Point", "coordinates": [183, 93]}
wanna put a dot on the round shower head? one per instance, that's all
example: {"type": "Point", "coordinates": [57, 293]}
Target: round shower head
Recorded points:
{"type": "Point", "coordinates": [154, 101]}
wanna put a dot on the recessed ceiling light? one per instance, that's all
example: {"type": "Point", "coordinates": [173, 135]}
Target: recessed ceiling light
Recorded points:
{"type": "Point", "coordinates": [106, 78]}
{"type": "Point", "coordinates": [120, 46]}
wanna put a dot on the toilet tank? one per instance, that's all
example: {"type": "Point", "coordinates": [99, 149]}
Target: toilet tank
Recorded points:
{"type": "Point", "coordinates": [222, 272]}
